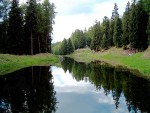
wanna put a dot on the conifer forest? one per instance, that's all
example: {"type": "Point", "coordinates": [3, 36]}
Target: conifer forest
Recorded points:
{"type": "Point", "coordinates": [26, 28]}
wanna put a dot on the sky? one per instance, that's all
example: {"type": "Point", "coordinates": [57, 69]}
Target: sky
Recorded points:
{"type": "Point", "coordinates": [82, 97]}
{"type": "Point", "coordinates": [81, 14]}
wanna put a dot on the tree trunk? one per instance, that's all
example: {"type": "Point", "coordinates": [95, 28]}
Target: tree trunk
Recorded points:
{"type": "Point", "coordinates": [39, 44]}
{"type": "Point", "coordinates": [31, 44]}
{"type": "Point", "coordinates": [46, 43]}
{"type": "Point", "coordinates": [50, 48]}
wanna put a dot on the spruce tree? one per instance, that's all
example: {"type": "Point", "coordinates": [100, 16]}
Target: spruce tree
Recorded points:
{"type": "Point", "coordinates": [142, 26]}
{"type": "Point", "coordinates": [146, 5]}
{"type": "Point", "coordinates": [115, 12]}
{"type": "Point", "coordinates": [117, 32]}
{"type": "Point", "coordinates": [5, 7]}
{"type": "Point", "coordinates": [70, 46]}
{"type": "Point", "coordinates": [15, 29]}
{"type": "Point", "coordinates": [64, 47]}
{"type": "Point", "coordinates": [30, 26]}
{"type": "Point", "coordinates": [105, 33]}
{"type": "Point", "coordinates": [49, 15]}
{"type": "Point", "coordinates": [81, 40]}
{"type": "Point", "coordinates": [138, 23]}
{"type": "Point", "coordinates": [125, 26]}
{"type": "Point", "coordinates": [97, 37]}
{"type": "Point", "coordinates": [111, 32]}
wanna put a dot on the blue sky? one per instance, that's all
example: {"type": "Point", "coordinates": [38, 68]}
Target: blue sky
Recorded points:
{"type": "Point", "coordinates": [81, 96]}
{"type": "Point", "coordinates": [81, 14]}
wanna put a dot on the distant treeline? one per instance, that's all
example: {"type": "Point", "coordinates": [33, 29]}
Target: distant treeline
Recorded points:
{"type": "Point", "coordinates": [26, 28]}
{"type": "Point", "coordinates": [131, 31]}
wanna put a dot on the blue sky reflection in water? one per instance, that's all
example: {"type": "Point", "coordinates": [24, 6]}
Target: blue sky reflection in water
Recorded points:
{"type": "Point", "coordinates": [82, 97]}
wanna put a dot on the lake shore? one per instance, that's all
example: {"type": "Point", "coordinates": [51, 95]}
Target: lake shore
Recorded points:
{"type": "Point", "coordinates": [10, 63]}
{"type": "Point", "coordinates": [117, 57]}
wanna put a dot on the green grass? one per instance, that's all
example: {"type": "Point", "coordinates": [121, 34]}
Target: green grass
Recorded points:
{"type": "Point", "coordinates": [10, 63]}
{"type": "Point", "coordinates": [116, 57]}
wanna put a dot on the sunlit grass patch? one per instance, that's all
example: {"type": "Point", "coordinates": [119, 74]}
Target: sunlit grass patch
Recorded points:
{"type": "Point", "coordinates": [10, 63]}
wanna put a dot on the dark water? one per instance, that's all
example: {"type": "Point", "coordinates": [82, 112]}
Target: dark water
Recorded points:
{"type": "Point", "coordinates": [74, 88]}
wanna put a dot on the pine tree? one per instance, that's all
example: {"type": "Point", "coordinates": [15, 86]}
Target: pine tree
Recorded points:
{"type": "Point", "coordinates": [105, 33]}
{"type": "Point", "coordinates": [30, 25]}
{"type": "Point", "coordinates": [5, 7]}
{"type": "Point", "coordinates": [15, 29]}
{"type": "Point", "coordinates": [115, 12]}
{"type": "Point", "coordinates": [70, 47]}
{"type": "Point", "coordinates": [81, 40]}
{"type": "Point", "coordinates": [49, 15]}
{"type": "Point", "coordinates": [64, 47]}
{"type": "Point", "coordinates": [97, 37]}
{"type": "Point", "coordinates": [146, 4]}
{"type": "Point", "coordinates": [117, 32]}
{"type": "Point", "coordinates": [111, 31]}
{"type": "Point", "coordinates": [125, 26]}
{"type": "Point", "coordinates": [142, 26]}
{"type": "Point", "coordinates": [138, 23]}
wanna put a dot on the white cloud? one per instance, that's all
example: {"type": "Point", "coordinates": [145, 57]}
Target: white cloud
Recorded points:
{"type": "Point", "coordinates": [66, 24]}
{"type": "Point", "coordinates": [78, 14]}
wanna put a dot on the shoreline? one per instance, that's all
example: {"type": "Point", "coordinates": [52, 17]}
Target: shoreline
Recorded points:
{"type": "Point", "coordinates": [117, 58]}
{"type": "Point", "coordinates": [10, 63]}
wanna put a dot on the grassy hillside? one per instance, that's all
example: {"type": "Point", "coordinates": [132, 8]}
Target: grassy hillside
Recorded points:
{"type": "Point", "coordinates": [116, 57]}
{"type": "Point", "coordinates": [10, 63]}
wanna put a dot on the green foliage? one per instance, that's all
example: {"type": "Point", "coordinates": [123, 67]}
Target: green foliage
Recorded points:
{"type": "Point", "coordinates": [78, 39]}
{"type": "Point", "coordinates": [97, 37]}
{"type": "Point", "coordinates": [146, 4]}
{"type": "Point", "coordinates": [64, 47]}
{"type": "Point", "coordinates": [87, 37]}
{"type": "Point", "coordinates": [70, 47]}
{"type": "Point", "coordinates": [117, 32]}
{"type": "Point", "coordinates": [15, 38]}
{"type": "Point", "coordinates": [125, 27]}
{"type": "Point", "coordinates": [106, 42]}
{"type": "Point", "coordinates": [138, 24]}
{"type": "Point", "coordinates": [111, 32]}
{"type": "Point", "coordinates": [28, 30]}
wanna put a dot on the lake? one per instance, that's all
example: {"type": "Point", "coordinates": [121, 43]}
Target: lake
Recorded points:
{"type": "Point", "coordinates": [74, 87]}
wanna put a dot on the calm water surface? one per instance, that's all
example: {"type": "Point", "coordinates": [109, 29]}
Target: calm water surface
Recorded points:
{"type": "Point", "coordinates": [74, 88]}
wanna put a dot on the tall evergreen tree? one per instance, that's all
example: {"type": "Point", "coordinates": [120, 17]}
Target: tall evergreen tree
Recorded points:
{"type": "Point", "coordinates": [15, 29]}
{"type": "Point", "coordinates": [111, 31]}
{"type": "Point", "coordinates": [5, 7]}
{"type": "Point", "coordinates": [70, 47]}
{"type": "Point", "coordinates": [115, 12]}
{"type": "Point", "coordinates": [81, 40]}
{"type": "Point", "coordinates": [105, 32]}
{"type": "Point", "coordinates": [30, 25]}
{"type": "Point", "coordinates": [117, 32]}
{"type": "Point", "coordinates": [49, 15]}
{"type": "Point", "coordinates": [142, 26]}
{"type": "Point", "coordinates": [146, 4]}
{"type": "Point", "coordinates": [125, 26]}
{"type": "Point", "coordinates": [64, 47]}
{"type": "Point", "coordinates": [138, 23]}
{"type": "Point", "coordinates": [87, 37]}
{"type": "Point", "coordinates": [97, 37]}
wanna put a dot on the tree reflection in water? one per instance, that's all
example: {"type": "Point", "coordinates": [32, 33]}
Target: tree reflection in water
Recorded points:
{"type": "Point", "coordinates": [114, 81]}
{"type": "Point", "coordinates": [28, 90]}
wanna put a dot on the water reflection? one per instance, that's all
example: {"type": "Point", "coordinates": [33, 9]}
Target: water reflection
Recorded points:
{"type": "Point", "coordinates": [29, 90]}
{"type": "Point", "coordinates": [114, 82]}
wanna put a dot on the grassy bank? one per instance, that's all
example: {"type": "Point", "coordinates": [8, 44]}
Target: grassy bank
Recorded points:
{"type": "Point", "coordinates": [10, 63]}
{"type": "Point", "coordinates": [117, 57]}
